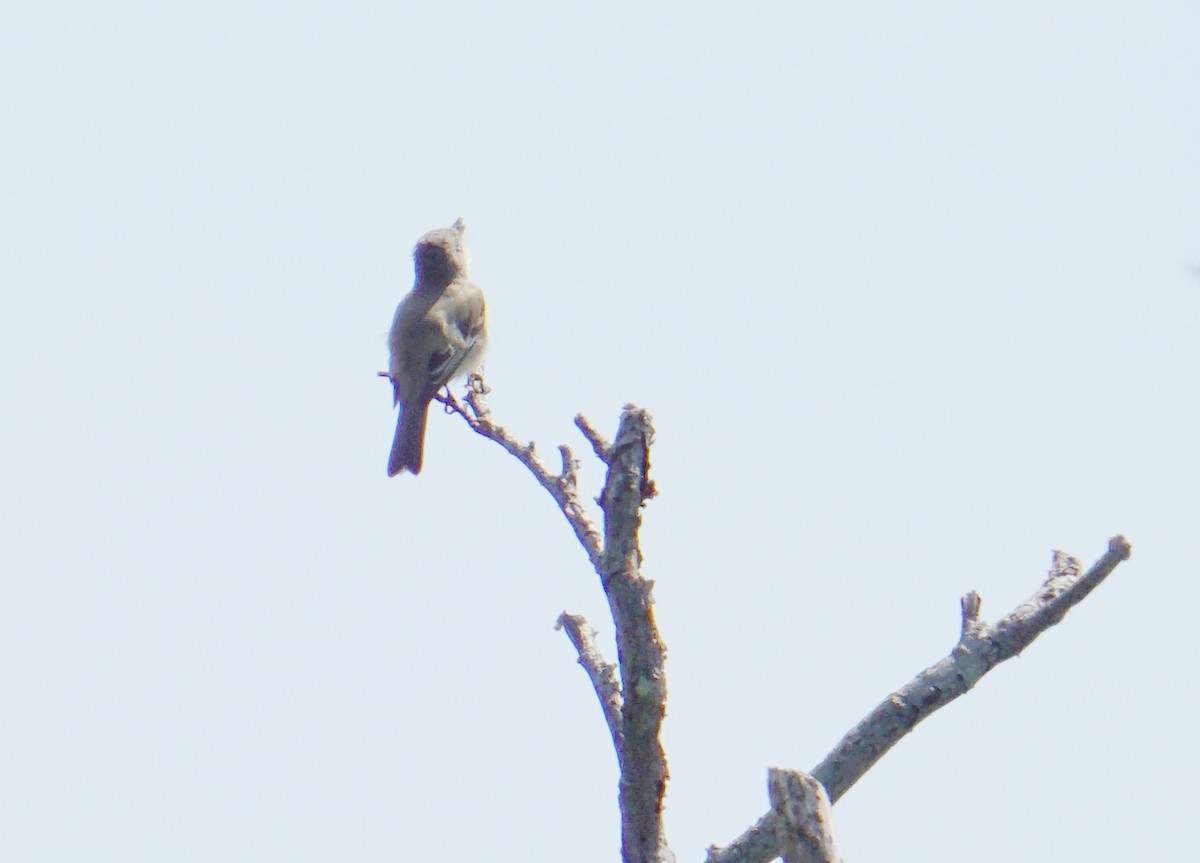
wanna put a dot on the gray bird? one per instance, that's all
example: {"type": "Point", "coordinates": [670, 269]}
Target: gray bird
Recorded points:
{"type": "Point", "coordinates": [438, 334]}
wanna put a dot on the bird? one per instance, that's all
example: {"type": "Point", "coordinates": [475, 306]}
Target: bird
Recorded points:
{"type": "Point", "coordinates": [439, 333]}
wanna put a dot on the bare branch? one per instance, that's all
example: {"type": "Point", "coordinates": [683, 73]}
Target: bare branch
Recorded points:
{"type": "Point", "coordinates": [562, 487]}
{"type": "Point", "coordinates": [617, 559]}
{"type": "Point", "coordinates": [643, 764]}
{"type": "Point", "coordinates": [980, 648]}
{"type": "Point", "coordinates": [602, 674]}
{"type": "Point", "coordinates": [1064, 589]}
{"type": "Point", "coordinates": [599, 445]}
{"type": "Point", "coordinates": [803, 817]}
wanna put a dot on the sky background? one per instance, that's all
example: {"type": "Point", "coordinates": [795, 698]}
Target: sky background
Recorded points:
{"type": "Point", "coordinates": [910, 289]}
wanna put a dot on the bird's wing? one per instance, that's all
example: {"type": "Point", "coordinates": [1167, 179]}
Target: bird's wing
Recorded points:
{"type": "Point", "coordinates": [464, 325]}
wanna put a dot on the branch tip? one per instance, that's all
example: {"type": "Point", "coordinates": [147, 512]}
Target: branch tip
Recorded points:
{"type": "Point", "coordinates": [570, 465]}
{"type": "Point", "coordinates": [600, 446]}
{"type": "Point", "coordinates": [971, 604]}
{"type": "Point", "coordinates": [602, 674]}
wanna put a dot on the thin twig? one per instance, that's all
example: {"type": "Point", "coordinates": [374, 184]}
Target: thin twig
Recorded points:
{"type": "Point", "coordinates": [560, 486]}
{"type": "Point", "coordinates": [599, 445]}
{"type": "Point", "coordinates": [602, 674]}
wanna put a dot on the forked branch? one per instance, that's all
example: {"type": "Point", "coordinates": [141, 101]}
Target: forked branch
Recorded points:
{"type": "Point", "coordinates": [635, 704]}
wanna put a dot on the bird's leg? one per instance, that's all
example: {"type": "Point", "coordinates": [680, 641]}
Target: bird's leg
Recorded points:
{"type": "Point", "coordinates": [449, 402]}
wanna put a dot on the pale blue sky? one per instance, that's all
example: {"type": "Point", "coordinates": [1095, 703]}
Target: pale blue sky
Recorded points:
{"type": "Point", "coordinates": [910, 290]}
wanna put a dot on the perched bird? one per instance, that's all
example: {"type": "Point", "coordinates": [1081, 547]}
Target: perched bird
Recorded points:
{"type": "Point", "coordinates": [439, 333]}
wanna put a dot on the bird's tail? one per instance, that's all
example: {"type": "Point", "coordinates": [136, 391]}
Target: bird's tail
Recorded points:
{"type": "Point", "coordinates": [409, 444]}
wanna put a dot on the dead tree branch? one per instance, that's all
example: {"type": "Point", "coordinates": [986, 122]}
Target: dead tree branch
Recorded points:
{"type": "Point", "coordinates": [981, 648]}
{"type": "Point", "coordinates": [632, 693]}
{"type": "Point", "coordinates": [639, 648]}
{"type": "Point", "coordinates": [562, 486]}
{"type": "Point", "coordinates": [635, 706]}
{"type": "Point", "coordinates": [602, 674]}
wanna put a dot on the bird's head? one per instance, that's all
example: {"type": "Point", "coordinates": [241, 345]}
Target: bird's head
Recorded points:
{"type": "Point", "coordinates": [441, 256]}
